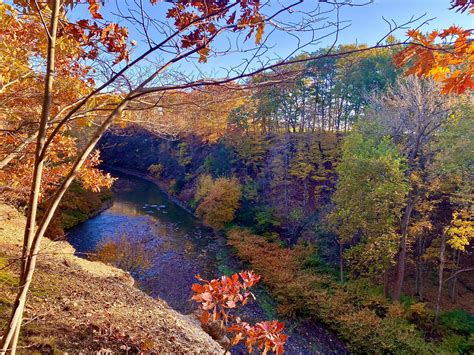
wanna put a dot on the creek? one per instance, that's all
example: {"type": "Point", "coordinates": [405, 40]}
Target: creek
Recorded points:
{"type": "Point", "coordinates": [182, 248]}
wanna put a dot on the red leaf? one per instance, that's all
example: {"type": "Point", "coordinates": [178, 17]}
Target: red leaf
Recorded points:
{"type": "Point", "coordinates": [94, 8]}
{"type": "Point", "coordinates": [204, 317]}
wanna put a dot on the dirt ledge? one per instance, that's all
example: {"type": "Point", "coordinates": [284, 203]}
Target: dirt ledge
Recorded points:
{"type": "Point", "coordinates": [78, 306]}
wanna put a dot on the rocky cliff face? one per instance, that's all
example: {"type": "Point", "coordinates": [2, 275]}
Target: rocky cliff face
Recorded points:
{"type": "Point", "coordinates": [80, 306]}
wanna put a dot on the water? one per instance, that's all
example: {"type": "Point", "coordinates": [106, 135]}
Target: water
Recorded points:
{"type": "Point", "coordinates": [182, 248]}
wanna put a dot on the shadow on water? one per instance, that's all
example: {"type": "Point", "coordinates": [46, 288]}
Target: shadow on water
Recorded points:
{"type": "Point", "coordinates": [184, 248]}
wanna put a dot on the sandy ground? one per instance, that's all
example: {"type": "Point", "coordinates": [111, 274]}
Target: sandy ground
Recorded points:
{"type": "Point", "coordinates": [78, 306]}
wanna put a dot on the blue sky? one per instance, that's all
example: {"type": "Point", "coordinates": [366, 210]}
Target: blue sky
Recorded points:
{"type": "Point", "coordinates": [366, 26]}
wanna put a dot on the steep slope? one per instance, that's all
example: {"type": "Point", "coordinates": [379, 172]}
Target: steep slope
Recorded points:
{"type": "Point", "coordinates": [77, 305]}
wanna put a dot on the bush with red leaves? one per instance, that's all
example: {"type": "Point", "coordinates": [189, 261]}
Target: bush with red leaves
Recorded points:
{"type": "Point", "coordinates": [216, 297]}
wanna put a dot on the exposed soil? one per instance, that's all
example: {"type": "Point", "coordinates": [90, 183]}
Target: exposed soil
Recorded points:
{"type": "Point", "coordinates": [80, 306]}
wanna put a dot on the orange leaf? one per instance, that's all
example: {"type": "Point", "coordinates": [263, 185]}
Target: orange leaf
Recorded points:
{"type": "Point", "coordinates": [259, 34]}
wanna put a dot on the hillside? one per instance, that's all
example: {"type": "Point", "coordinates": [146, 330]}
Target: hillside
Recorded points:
{"type": "Point", "coordinates": [286, 179]}
{"type": "Point", "coordinates": [77, 305]}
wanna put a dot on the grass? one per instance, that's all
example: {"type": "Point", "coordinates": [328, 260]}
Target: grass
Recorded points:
{"type": "Point", "coordinates": [223, 265]}
{"type": "Point", "coordinates": [7, 277]}
{"type": "Point", "coordinates": [459, 321]}
{"type": "Point", "coordinates": [268, 304]}
{"type": "Point", "coordinates": [225, 270]}
{"type": "Point", "coordinates": [7, 280]}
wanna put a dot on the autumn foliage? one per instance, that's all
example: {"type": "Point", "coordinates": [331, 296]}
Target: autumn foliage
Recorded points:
{"type": "Point", "coordinates": [219, 202]}
{"type": "Point", "coordinates": [446, 56]}
{"type": "Point", "coordinates": [53, 111]}
{"type": "Point", "coordinates": [21, 98]}
{"type": "Point", "coordinates": [356, 311]}
{"type": "Point", "coordinates": [461, 230]}
{"type": "Point", "coordinates": [200, 112]}
{"type": "Point", "coordinates": [217, 297]}
{"type": "Point", "coordinates": [266, 335]}
{"type": "Point", "coordinates": [188, 17]}
{"type": "Point", "coordinates": [60, 58]}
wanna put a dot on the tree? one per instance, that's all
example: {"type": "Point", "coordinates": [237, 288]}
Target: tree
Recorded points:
{"type": "Point", "coordinates": [220, 201]}
{"type": "Point", "coordinates": [411, 113]}
{"type": "Point", "coordinates": [447, 57]}
{"type": "Point", "coordinates": [452, 164]}
{"type": "Point", "coordinates": [21, 100]}
{"type": "Point", "coordinates": [327, 94]}
{"type": "Point", "coordinates": [195, 29]}
{"type": "Point", "coordinates": [201, 112]}
{"type": "Point", "coordinates": [369, 195]}
{"type": "Point", "coordinates": [362, 74]}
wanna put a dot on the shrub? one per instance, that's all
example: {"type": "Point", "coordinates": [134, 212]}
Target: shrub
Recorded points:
{"type": "Point", "coordinates": [459, 321]}
{"type": "Point", "coordinates": [204, 185]}
{"type": "Point", "coordinates": [219, 161]}
{"type": "Point", "coordinates": [265, 220]}
{"type": "Point", "coordinates": [134, 256]}
{"type": "Point", "coordinates": [184, 158]}
{"type": "Point", "coordinates": [77, 206]}
{"type": "Point", "coordinates": [457, 344]}
{"type": "Point", "coordinates": [317, 263]}
{"type": "Point", "coordinates": [220, 202]}
{"type": "Point", "coordinates": [179, 184]}
{"type": "Point", "coordinates": [356, 310]}
{"type": "Point", "coordinates": [420, 315]}
{"type": "Point", "coordinates": [156, 170]}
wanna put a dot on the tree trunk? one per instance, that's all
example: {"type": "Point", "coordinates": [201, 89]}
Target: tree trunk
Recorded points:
{"type": "Point", "coordinates": [10, 338]}
{"type": "Point", "coordinates": [420, 248]}
{"type": "Point", "coordinates": [403, 248]}
{"type": "Point", "coordinates": [341, 263]}
{"type": "Point", "coordinates": [30, 263]}
{"type": "Point", "coordinates": [442, 251]}
{"type": "Point", "coordinates": [453, 290]}
{"type": "Point", "coordinates": [386, 282]}
{"type": "Point", "coordinates": [406, 221]}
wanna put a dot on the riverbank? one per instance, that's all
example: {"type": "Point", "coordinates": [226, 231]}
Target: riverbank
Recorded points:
{"type": "Point", "coordinates": [77, 206]}
{"type": "Point", "coordinates": [76, 305]}
{"type": "Point", "coordinates": [356, 311]}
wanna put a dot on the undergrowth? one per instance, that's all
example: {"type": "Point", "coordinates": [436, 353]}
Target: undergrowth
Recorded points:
{"type": "Point", "coordinates": [356, 310]}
